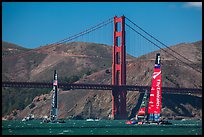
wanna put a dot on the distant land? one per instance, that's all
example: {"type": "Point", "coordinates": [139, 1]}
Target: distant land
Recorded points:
{"type": "Point", "coordinates": [80, 62]}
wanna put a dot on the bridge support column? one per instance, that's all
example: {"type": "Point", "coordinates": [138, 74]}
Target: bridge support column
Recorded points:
{"type": "Point", "coordinates": [119, 69]}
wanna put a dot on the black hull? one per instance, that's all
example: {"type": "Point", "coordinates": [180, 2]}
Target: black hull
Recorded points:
{"type": "Point", "coordinates": [165, 123]}
{"type": "Point", "coordinates": [158, 123]}
{"type": "Point", "coordinates": [148, 122]}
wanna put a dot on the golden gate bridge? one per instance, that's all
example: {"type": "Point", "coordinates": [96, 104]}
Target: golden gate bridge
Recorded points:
{"type": "Point", "coordinates": [118, 87]}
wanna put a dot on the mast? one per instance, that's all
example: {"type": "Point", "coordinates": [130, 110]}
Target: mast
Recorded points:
{"type": "Point", "coordinates": [154, 106]}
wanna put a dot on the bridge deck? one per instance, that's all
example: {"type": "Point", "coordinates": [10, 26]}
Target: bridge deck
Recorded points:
{"type": "Point", "coordinates": [167, 90]}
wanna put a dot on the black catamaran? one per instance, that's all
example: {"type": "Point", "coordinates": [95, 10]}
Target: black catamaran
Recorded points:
{"type": "Point", "coordinates": [151, 114]}
{"type": "Point", "coordinates": [54, 104]}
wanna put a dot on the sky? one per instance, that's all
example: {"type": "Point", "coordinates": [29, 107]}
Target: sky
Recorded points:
{"type": "Point", "coordinates": [34, 24]}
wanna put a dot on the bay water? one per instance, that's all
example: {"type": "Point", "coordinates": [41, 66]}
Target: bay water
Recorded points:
{"type": "Point", "coordinates": [101, 127]}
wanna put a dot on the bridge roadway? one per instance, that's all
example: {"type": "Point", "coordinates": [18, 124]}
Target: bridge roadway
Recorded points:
{"type": "Point", "coordinates": [68, 86]}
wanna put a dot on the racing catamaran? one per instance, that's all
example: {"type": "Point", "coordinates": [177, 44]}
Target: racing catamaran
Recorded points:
{"type": "Point", "coordinates": [151, 114]}
{"type": "Point", "coordinates": [141, 115]}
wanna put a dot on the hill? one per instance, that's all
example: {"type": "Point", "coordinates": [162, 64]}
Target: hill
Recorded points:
{"type": "Point", "coordinates": [9, 49]}
{"type": "Point", "coordinates": [72, 62]}
{"type": "Point", "coordinates": [77, 62]}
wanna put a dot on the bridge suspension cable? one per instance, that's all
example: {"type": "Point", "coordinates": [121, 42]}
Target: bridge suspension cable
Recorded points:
{"type": "Point", "coordinates": [91, 29]}
{"type": "Point", "coordinates": [158, 40]}
{"type": "Point", "coordinates": [160, 43]}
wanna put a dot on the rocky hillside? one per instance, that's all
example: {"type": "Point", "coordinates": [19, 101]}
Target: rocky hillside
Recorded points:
{"type": "Point", "coordinates": [72, 61]}
{"type": "Point", "coordinates": [9, 49]}
{"type": "Point", "coordinates": [78, 62]}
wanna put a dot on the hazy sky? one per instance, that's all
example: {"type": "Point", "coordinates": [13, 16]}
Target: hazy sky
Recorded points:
{"type": "Point", "coordinates": [33, 24]}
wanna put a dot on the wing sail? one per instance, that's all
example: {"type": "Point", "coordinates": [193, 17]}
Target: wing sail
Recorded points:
{"type": "Point", "coordinates": [154, 105]}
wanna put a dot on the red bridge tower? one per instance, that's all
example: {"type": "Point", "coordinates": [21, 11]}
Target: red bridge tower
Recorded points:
{"type": "Point", "coordinates": [119, 69]}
